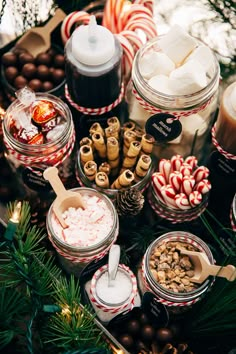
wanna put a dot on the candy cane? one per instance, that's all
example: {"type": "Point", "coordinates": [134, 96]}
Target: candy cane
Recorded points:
{"type": "Point", "coordinates": [70, 20]}
{"type": "Point", "coordinates": [186, 169]}
{"type": "Point", "coordinates": [203, 186]}
{"type": "Point", "coordinates": [165, 168]}
{"type": "Point", "coordinates": [182, 201]}
{"type": "Point", "coordinates": [176, 162]}
{"type": "Point", "coordinates": [188, 183]}
{"type": "Point", "coordinates": [148, 4]}
{"type": "Point", "coordinates": [134, 39]}
{"type": "Point", "coordinates": [168, 195]}
{"type": "Point", "coordinates": [195, 198]}
{"type": "Point", "coordinates": [192, 161]}
{"type": "Point", "coordinates": [158, 181]}
{"type": "Point", "coordinates": [128, 56]}
{"type": "Point", "coordinates": [175, 180]}
{"type": "Point", "coordinates": [200, 173]}
{"type": "Point", "coordinates": [148, 29]}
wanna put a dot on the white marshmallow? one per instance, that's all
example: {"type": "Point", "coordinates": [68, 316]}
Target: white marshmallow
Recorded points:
{"type": "Point", "coordinates": [177, 44]}
{"type": "Point", "coordinates": [204, 56]}
{"type": "Point", "coordinates": [192, 123]}
{"type": "Point", "coordinates": [160, 83]}
{"type": "Point", "coordinates": [154, 63]}
{"type": "Point", "coordinates": [188, 78]}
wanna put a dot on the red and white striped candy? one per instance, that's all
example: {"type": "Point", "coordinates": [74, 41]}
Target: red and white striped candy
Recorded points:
{"type": "Point", "coordinates": [175, 180]}
{"type": "Point", "coordinates": [176, 162]}
{"type": "Point", "coordinates": [195, 198]}
{"type": "Point", "coordinates": [203, 186]}
{"type": "Point", "coordinates": [158, 181]}
{"type": "Point", "coordinates": [188, 183]}
{"type": "Point", "coordinates": [165, 168]}
{"type": "Point", "coordinates": [182, 201]}
{"type": "Point", "coordinates": [168, 195]}
{"type": "Point", "coordinates": [70, 20]}
{"type": "Point", "coordinates": [192, 161]}
{"type": "Point", "coordinates": [186, 169]}
{"type": "Point", "coordinates": [200, 173]}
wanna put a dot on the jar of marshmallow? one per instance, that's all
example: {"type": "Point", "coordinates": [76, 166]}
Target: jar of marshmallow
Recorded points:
{"type": "Point", "coordinates": [89, 234]}
{"type": "Point", "coordinates": [173, 92]}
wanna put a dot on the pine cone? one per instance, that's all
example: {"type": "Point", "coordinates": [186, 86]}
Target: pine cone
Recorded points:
{"type": "Point", "coordinates": [129, 202]}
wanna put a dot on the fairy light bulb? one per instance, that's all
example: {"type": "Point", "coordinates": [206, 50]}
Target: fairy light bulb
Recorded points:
{"type": "Point", "coordinates": [13, 223]}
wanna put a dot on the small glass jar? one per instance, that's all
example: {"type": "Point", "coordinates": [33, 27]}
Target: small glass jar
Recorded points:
{"type": "Point", "coordinates": [175, 215]}
{"type": "Point", "coordinates": [74, 258]}
{"type": "Point", "coordinates": [176, 302]}
{"type": "Point", "coordinates": [233, 215]}
{"type": "Point", "coordinates": [121, 296]}
{"type": "Point", "coordinates": [28, 160]}
{"type": "Point", "coordinates": [195, 111]}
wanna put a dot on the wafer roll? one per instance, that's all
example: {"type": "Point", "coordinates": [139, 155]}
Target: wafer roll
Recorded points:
{"type": "Point", "coordinates": [90, 170]}
{"type": "Point", "coordinates": [129, 135]}
{"type": "Point", "coordinates": [132, 155]}
{"type": "Point", "coordinates": [147, 143]}
{"type": "Point", "coordinates": [114, 121]}
{"type": "Point", "coordinates": [105, 167]}
{"type": "Point", "coordinates": [139, 133]}
{"type": "Point", "coordinates": [86, 154]}
{"type": "Point", "coordinates": [124, 180]}
{"type": "Point", "coordinates": [96, 128]}
{"type": "Point", "coordinates": [112, 131]}
{"type": "Point", "coordinates": [102, 180]}
{"type": "Point", "coordinates": [142, 167]}
{"type": "Point", "coordinates": [99, 145]}
{"type": "Point", "coordinates": [129, 126]}
{"type": "Point", "coordinates": [113, 152]}
{"type": "Point", "coordinates": [86, 141]}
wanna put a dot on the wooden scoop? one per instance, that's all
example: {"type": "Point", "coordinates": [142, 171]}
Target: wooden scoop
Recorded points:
{"type": "Point", "coordinates": [38, 39]}
{"type": "Point", "coordinates": [65, 199]}
{"type": "Point", "coordinates": [203, 268]}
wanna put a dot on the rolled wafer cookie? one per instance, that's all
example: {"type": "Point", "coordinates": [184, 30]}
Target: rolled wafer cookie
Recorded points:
{"type": "Point", "coordinates": [99, 145]}
{"type": "Point", "coordinates": [114, 121]}
{"type": "Point", "coordinates": [129, 136]}
{"type": "Point", "coordinates": [142, 167]}
{"type": "Point", "coordinates": [113, 152]}
{"type": "Point", "coordinates": [112, 131]}
{"type": "Point", "coordinates": [132, 155]}
{"type": "Point", "coordinates": [105, 167]}
{"type": "Point", "coordinates": [102, 180]}
{"type": "Point", "coordinates": [96, 128]}
{"type": "Point", "coordinates": [129, 126]}
{"type": "Point", "coordinates": [147, 143]}
{"type": "Point", "coordinates": [124, 180]}
{"type": "Point", "coordinates": [139, 133]}
{"type": "Point", "coordinates": [86, 141]}
{"type": "Point", "coordinates": [90, 170]}
{"type": "Point", "coordinates": [86, 154]}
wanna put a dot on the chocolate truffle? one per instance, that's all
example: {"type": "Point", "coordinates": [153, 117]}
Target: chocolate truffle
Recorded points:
{"type": "Point", "coordinates": [47, 86]}
{"type": "Point", "coordinates": [127, 341]}
{"type": "Point", "coordinates": [52, 52]}
{"type": "Point", "coordinates": [20, 82]}
{"type": "Point", "coordinates": [35, 84]}
{"type": "Point", "coordinates": [26, 58]}
{"type": "Point", "coordinates": [133, 326]}
{"type": "Point", "coordinates": [164, 335]}
{"type": "Point", "coordinates": [43, 72]}
{"type": "Point", "coordinates": [9, 59]}
{"type": "Point", "coordinates": [28, 70]}
{"type": "Point", "coordinates": [143, 319]}
{"type": "Point", "coordinates": [147, 333]}
{"type": "Point", "coordinates": [59, 61]}
{"type": "Point", "coordinates": [11, 73]}
{"type": "Point", "coordinates": [43, 58]}
{"type": "Point", "coordinates": [58, 75]}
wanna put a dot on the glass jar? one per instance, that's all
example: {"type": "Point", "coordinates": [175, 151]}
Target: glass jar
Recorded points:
{"type": "Point", "coordinates": [194, 111]}
{"type": "Point", "coordinates": [233, 215]}
{"type": "Point", "coordinates": [176, 302]}
{"type": "Point", "coordinates": [29, 158]}
{"type": "Point", "coordinates": [175, 215]}
{"type": "Point", "coordinates": [74, 258]}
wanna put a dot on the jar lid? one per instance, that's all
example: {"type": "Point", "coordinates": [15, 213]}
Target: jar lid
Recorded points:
{"type": "Point", "coordinates": [93, 44]}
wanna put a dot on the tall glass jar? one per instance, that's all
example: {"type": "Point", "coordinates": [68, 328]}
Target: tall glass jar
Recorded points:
{"type": "Point", "coordinates": [194, 111]}
{"type": "Point", "coordinates": [74, 257]}
{"type": "Point", "coordinates": [176, 301]}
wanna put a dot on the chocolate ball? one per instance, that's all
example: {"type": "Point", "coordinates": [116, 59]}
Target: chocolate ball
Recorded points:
{"type": "Point", "coordinates": [26, 58]}
{"type": "Point", "coordinates": [11, 73]}
{"type": "Point", "coordinates": [164, 335]}
{"type": "Point", "coordinates": [127, 341]}
{"type": "Point", "coordinates": [29, 70]}
{"type": "Point", "coordinates": [35, 84]}
{"type": "Point", "coordinates": [58, 76]}
{"type": "Point", "coordinates": [133, 326]}
{"type": "Point", "coordinates": [43, 58]}
{"type": "Point", "coordinates": [59, 61]}
{"type": "Point", "coordinates": [143, 319]}
{"type": "Point", "coordinates": [9, 59]}
{"type": "Point", "coordinates": [20, 82]}
{"type": "Point", "coordinates": [148, 333]}
{"type": "Point", "coordinates": [43, 72]}
{"type": "Point", "coordinates": [52, 52]}
{"type": "Point", "coordinates": [47, 86]}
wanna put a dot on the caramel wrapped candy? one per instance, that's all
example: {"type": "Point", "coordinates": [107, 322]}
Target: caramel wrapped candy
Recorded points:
{"type": "Point", "coordinates": [90, 170]}
{"type": "Point", "coordinates": [86, 154]}
{"type": "Point", "coordinates": [99, 145]}
{"type": "Point", "coordinates": [142, 167]}
{"type": "Point", "coordinates": [102, 180]}
{"type": "Point", "coordinates": [124, 180]}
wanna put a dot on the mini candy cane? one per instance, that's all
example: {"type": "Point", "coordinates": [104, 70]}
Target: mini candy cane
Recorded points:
{"type": "Point", "coordinates": [203, 186]}
{"type": "Point", "coordinates": [128, 12]}
{"type": "Point", "coordinates": [70, 20]}
{"type": "Point", "coordinates": [147, 3]}
{"type": "Point", "coordinates": [186, 169]}
{"type": "Point", "coordinates": [128, 54]}
{"type": "Point", "coordinates": [192, 161]}
{"type": "Point", "coordinates": [200, 173]}
{"type": "Point", "coordinates": [176, 162]}
{"type": "Point", "coordinates": [175, 180]}
{"type": "Point", "coordinates": [188, 183]}
{"type": "Point", "coordinates": [134, 39]}
{"type": "Point", "coordinates": [195, 198]}
{"type": "Point", "coordinates": [165, 168]}
{"type": "Point", "coordinates": [182, 201]}
{"type": "Point", "coordinates": [168, 195]}
{"type": "Point", "coordinates": [158, 181]}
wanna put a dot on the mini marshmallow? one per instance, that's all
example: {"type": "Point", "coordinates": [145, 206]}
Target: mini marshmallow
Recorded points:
{"type": "Point", "coordinates": [177, 44]}
{"type": "Point", "coordinates": [154, 63]}
{"type": "Point", "coordinates": [160, 83]}
{"type": "Point", "coordinates": [188, 78]}
{"type": "Point", "coordinates": [204, 56]}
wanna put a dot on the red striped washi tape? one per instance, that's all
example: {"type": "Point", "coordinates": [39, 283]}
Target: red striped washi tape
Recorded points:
{"type": "Point", "coordinates": [219, 148]}
{"type": "Point", "coordinates": [128, 305]}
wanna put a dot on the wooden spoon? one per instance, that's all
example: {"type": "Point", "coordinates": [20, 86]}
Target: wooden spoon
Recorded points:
{"type": "Point", "coordinates": [65, 199]}
{"type": "Point", "coordinates": [203, 268]}
{"type": "Point", "coordinates": [38, 39]}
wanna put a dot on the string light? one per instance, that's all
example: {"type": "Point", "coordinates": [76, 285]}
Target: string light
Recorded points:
{"type": "Point", "coordinates": [13, 223]}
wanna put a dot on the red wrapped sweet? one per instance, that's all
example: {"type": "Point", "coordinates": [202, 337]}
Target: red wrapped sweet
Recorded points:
{"type": "Point", "coordinates": [43, 111]}
{"type": "Point", "coordinates": [29, 135]}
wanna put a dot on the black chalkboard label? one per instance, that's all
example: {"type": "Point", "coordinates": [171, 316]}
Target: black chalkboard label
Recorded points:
{"type": "Point", "coordinates": [163, 127]}
{"type": "Point", "coordinates": [34, 180]}
{"type": "Point", "coordinates": [156, 311]}
{"type": "Point", "coordinates": [223, 166]}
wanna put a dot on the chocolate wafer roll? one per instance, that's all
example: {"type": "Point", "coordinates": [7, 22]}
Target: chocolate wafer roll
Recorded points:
{"type": "Point", "coordinates": [124, 180]}
{"type": "Point", "coordinates": [102, 180]}
{"type": "Point", "coordinates": [112, 131]}
{"type": "Point", "coordinates": [142, 167]}
{"type": "Point", "coordinates": [113, 152]}
{"type": "Point", "coordinates": [147, 144]}
{"type": "Point", "coordinates": [105, 167]}
{"type": "Point", "coordinates": [139, 133]}
{"type": "Point", "coordinates": [86, 141]}
{"type": "Point", "coordinates": [86, 154]}
{"type": "Point", "coordinates": [129, 135]}
{"type": "Point", "coordinates": [114, 121]}
{"type": "Point", "coordinates": [132, 155]}
{"type": "Point", "coordinates": [90, 170]}
{"type": "Point", "coordinates": [96, 128]}
{"type": "Point", "coordinates": [128, 126]}
{"type": "Point", "coordinates": [99, 145]}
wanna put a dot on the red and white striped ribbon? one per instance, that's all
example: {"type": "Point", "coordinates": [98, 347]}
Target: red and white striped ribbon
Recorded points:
{"type": "Point", "coordinates": [95, 111]}
{"type": "Point", "coordinates": [128, 305]}
{"type": "Point", "coordinates": [219, 148]}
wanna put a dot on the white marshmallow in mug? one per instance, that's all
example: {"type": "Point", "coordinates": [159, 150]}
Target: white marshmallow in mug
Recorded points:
{"type": "Point", "coordinates": [188, 78]}
{"type": "Point", "coordinates": [154, 63]}
{"type": "Point", "coordinates": [204, 56]}
{"type": "Point", "coordinates": [177, 44]}
{"type": "Point", "coordinates": [160, 83]}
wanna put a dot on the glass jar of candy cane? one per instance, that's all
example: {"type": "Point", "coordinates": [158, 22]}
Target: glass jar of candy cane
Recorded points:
{"type": "Point", "coordinates": [36, 136]}
{"type": "Point", "coordinates": [173, 93]}
{"type": "Point", "coordinates": [90, 232]}
{"type": "Point", "coordinates": [166, 271]}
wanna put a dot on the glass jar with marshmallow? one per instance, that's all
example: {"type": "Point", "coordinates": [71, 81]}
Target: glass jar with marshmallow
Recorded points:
{"type": "Point", "coordinates": [173, 92]}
